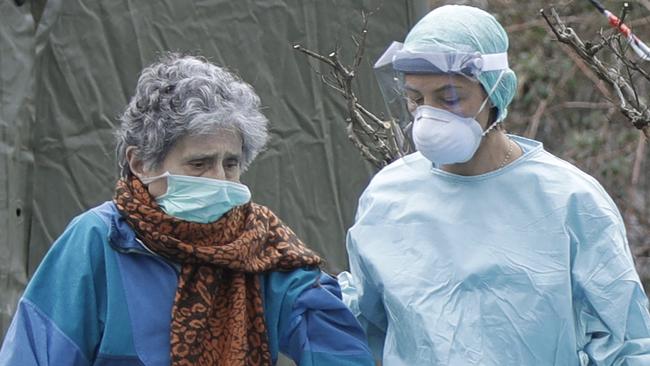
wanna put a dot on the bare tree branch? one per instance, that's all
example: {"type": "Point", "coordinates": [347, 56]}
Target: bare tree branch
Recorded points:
{"type": "Point", "coordinates": [636, 112]}
{"type": "Point", "coordinates": [375, 138]}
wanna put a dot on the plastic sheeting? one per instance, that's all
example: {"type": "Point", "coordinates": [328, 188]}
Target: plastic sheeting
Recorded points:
{"type": "Point", "coordinates": [17, 53]}
{"type": "Point", "coordinates": [62, 86]}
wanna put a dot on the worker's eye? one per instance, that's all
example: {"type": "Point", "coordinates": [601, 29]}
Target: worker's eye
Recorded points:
{"type": "Point", "coordinates": [451, 102]}
{"type": "Point", "coordinates": [413, 102]}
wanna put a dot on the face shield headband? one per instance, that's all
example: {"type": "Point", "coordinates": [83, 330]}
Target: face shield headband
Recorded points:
{"type": "Point", "coordinates": [470, 64]}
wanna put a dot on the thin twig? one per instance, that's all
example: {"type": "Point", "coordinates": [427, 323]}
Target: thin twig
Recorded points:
{"type": "Point", "coordinates": [638, 159]}
{"type": "Point", "coordinates": [629, 63]}
{"type": "Point", "coordinates": [637, 114]}
{"type": "Point", "coordinates": [313, 54]}
{"type": "Point", "coordinates": [587, 71]}
{"type": "Point", "coordinates": [361, 46]}
{"type": "Point", "coordinates": [375, 138]}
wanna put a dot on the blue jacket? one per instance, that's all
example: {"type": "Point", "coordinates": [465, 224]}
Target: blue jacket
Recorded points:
{"type": "Point", "coordinates": [101, 298]}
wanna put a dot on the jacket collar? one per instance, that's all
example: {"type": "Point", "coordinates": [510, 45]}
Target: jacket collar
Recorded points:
{"type": "Point", "coordinates": [120, 235]}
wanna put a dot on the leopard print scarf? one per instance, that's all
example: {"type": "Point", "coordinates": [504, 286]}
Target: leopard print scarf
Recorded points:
{"type": "Point", "coordinates": [218, 314]}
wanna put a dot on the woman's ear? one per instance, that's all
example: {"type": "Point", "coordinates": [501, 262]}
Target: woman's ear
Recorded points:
{"type": "Point", "coordinates": [494, 114]}
{"type": "Point", "coordinates": [136, 165]}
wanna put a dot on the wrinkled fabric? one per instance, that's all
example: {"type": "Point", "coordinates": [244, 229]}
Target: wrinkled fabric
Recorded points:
{"type": "Point", "coordinates": [218, 313]}
{"type": "Point", "coordinates": [460, 28]}
{"type": "Point", "coordinates": [525, 265]}
{"type": "Point", "coordinates": [101, 298]}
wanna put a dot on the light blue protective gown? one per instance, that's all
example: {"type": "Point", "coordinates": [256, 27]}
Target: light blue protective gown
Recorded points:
{"type": "Point", "coordinates": [525, 265]}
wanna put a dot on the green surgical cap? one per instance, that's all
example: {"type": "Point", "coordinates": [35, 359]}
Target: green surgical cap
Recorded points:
{"type": "Point", "coordinates": [460, 28]}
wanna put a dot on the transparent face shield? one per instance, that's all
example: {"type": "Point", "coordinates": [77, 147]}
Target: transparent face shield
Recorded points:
{"type": "Point", "coordinates": [402, 100]}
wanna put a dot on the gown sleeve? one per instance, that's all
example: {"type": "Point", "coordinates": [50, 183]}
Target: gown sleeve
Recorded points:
{"type": "Point", "coordinates": [610, 305]}
{"type": "Point", "coordinates": [362, 294]}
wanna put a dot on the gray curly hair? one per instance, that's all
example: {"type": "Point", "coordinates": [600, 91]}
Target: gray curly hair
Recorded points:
{"type": "Point", "coordinates": [184, 95]}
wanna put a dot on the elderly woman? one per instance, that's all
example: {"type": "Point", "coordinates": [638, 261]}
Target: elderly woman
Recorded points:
{"type": "Point", "coordinates": [482, 248]}
{"type": "Point", "coordinates": [180, 267]}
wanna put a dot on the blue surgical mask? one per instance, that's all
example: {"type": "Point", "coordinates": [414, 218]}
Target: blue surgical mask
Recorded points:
{"type": "Point", "coordinates": [199, 199]}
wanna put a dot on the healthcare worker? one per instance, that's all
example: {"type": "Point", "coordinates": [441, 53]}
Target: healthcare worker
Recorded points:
{"type": "Point", "coordinates": [482, 248]}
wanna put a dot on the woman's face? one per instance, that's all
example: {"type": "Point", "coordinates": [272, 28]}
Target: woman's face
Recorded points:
{"type": "Point", "coordinates": [217, 156]}
{"type": "Point", "coordinates": [453, 93]}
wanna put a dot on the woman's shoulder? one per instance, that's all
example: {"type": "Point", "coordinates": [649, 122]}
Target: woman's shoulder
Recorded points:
{"type": "Point", "coordinates": [406, 170]}
{"type": "Point", "coordinates": [556, 176]}
{"type": "Point", "coordinates": [87, 232]}
{"type": "Point", "coordinates": [77, 252]}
